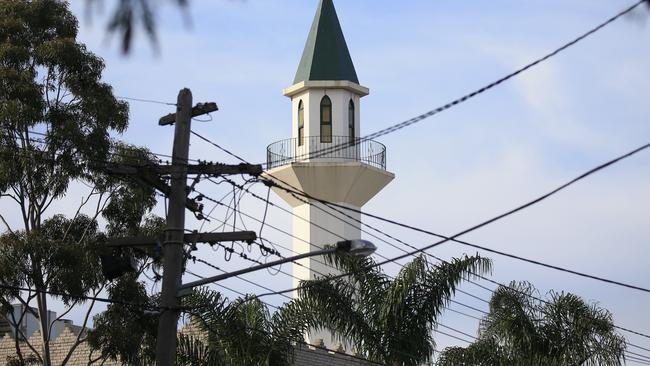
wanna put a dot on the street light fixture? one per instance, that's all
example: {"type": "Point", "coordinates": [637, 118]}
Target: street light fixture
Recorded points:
{"type": "Point", "coordinates": [357, 248]}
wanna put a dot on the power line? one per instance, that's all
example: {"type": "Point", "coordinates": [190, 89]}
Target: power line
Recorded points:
{"type": "Point", "coordinates": [458, 331]}
{"type": "Point", "coordinates": [474, 338]}
{"type": "Point", "coordinates": [484, 223]}
{"type": "Point", "coordinates": [219, 147]}
{"type": "Point", "coordinates": [241, 278]}
{"type": "Point", "coordinates": [302, 342]}
{"type": "Point", "coordinates": [477, 92]}
{"type": "Point", "coordinates": [114, 153]}
{"type": "Point", "coordinates": [325, 264]}
{"type": "Point", "coordinates": [83, 297]}
{"type": "Point", "coordinates": [145, 100]}
{"type": "Point", "coordinates": [452, 336]}
{"type": "Point", "coordinates": [463, 314]}
{"type": "Point", "coordinates": [364, 231]}
{"type": "Point", "coordinates": [647, 358]}
{"type": "Point", "coordinates": [639, 347]}
{"type": "Point", "coordinates": [492, 220]}
{"type": "Point", "coordinates": [445, 239]}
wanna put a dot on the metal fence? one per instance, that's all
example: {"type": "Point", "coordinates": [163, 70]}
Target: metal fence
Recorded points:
{"type": "Point", "coordinates": [311, 148]}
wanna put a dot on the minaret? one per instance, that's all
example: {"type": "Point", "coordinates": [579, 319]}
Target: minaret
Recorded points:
{"type": "Point", "coordinates": [326, 114]}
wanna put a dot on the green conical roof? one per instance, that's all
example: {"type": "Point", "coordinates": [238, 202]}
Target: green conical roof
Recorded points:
{"type": "Point", "coordinates": [326, 55]}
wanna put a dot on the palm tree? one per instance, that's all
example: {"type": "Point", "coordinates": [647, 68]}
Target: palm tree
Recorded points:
{"type": "Point", "coordinates": [522, 329]}
{"type": "Point", "coordinates": [387, 320]}
{"type": "Point", "coordinates": [241, 332]}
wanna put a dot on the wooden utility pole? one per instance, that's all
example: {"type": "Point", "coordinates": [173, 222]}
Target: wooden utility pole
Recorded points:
{"type": "Point", "coordinates": [177, 192]}
{"type": "Point", "coordinates": [174, 239]}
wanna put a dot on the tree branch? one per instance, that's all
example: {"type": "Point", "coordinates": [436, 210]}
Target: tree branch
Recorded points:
{"type": "Point", "coordinates": [83, 203]}
{"type": "Point", "coordinates": [11, 196]}
{"type": "Point", "coordinates": [6, 224]}
{"type": "Point", "coordinates": [49, 332]}
{"type": "Point", "coordinates": [15, 323]}
{"type": "Point", "coordinates": [25, 339]}
{"type": "Point", "coordinates": [83, 329]}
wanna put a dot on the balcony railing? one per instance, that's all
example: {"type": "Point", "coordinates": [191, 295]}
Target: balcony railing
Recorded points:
{"type": "Point", "coordinates": [311, 148]}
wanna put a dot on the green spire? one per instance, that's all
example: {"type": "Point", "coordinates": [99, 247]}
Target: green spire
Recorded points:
{"type": "Point", "coordinates": [326, 55]}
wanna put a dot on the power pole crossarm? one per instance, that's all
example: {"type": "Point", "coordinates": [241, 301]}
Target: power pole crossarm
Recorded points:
{"type": "Point", "coordinates": [204, 168]}
{"type": "Point", "coordinates": [199, 110]}
{"type": "Point", "coordinates": [148, 241]}
{"type": "Point", "coordinates": [217, 169]}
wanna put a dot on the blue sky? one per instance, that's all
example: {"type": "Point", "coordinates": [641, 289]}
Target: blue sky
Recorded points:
{"type": "Point", "coordinates": [458, 168]}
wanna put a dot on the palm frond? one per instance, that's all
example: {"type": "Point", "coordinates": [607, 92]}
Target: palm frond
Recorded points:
{"type": "Point", "coordinates": [191, 351]}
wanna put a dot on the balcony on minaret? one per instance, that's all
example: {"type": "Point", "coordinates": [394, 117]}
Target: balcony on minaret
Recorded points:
{"type": "Point", "coordinates": [334, 148]}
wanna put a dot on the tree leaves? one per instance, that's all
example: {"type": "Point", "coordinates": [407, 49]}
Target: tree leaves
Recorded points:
{"type": "Point", "coordinates": [126, 332]}
{"type": "Point", "coordinates": [56, 121]}
{"type": "Point", "coordinates": [522, 330]}
{"type": "Point", "coordinates": [129, 14]}
{"type": "Point", "coordinates": [64, 251]}
{"type": "Point", "coordinates": [244, 332]}
{"type": "Point", "coordinates": [389, 321]}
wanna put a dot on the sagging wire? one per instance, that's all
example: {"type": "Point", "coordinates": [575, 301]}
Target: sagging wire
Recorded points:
{"type": "Point", "coordinates": [262, 246]}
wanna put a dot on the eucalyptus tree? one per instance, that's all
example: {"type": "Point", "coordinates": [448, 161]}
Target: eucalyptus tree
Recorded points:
{"type": "Point", "coordinates": [56, 121]}
{"type": "Point", "coordinates": [521, 329]}
{"type": "Point", "coordinates": [388, 320]}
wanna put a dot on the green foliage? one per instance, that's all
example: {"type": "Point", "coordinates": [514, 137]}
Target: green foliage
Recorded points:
{"type": "Point", "coordinates": [243, 332]}
{"type": "Point", "coordinates": [389, 321]}
{"type": "Point", "coordinates": [131, 199]}
{"type": "Point", "coordinates": [194, 352]}
{"type": "Point", "coordinates": [62, 251]}
{"type": "Point", "coordinates": [126, 332]}
{"type": "Point", "coordinates": [51, 84]}
{"type": "Point", "coordinates": [28, 361]}
{"type": "Point", "coordinates": [56, 121]}
{"type": "Point", "coordinates": [128, 15]}
{"type": "Point", "coordinates": [521, 330]}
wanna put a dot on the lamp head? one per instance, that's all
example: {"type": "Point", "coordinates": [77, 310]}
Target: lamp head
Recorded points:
{"type": "Point", "coordinates": [357, 248]}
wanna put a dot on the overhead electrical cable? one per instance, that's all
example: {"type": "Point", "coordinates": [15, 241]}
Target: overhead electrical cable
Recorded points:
{"type": "Point", "coordinates": [477, 92]}
{"type": "Point", "coordinates": [492, 220]}
{"type": "Point", "coordinates": [363, 231]}
{"type": "Point", "coordinates": [484, 312]}
{"type": "Point", "coordinates": [141, 100]}
{"type": "Point", "coordinates": [445, 238]}
{"type": "Point", "coordinates": [334, 268]}
{"type": "Point", "coordinates": [305, 343]}
{"type": "Point", "coordinates": [82, 297]}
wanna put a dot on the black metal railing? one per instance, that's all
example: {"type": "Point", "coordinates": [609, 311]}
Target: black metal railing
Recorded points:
{"type": "Point", "coordinates": [312, 148]}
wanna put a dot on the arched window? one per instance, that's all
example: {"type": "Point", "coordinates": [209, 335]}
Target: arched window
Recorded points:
{"type": "Point", "coordinates": [325, 119]}
{"type": "Point", "coordinates": [351, 131]}
{"type": "Point", "coordinates": [301, 123]}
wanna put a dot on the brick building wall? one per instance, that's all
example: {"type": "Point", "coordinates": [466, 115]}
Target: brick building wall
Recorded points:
{"type": "Point", "coordinates": [59, 348]}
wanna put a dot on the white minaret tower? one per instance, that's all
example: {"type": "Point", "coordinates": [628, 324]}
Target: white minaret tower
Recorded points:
{"type": "Point", "coordinates": [326, 114]}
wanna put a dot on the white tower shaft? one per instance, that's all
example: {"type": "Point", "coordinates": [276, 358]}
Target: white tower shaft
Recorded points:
{"type": "Point", "coordinates": [325, 157]}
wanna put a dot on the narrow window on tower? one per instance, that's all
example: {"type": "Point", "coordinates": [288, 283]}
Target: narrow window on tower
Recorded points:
{"type": "Point", "coordinates": [351, 131]}
{"type": "Point", "coordinates": [301, 123]}
{"type": "Point", "coordinates": [326, 119]}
